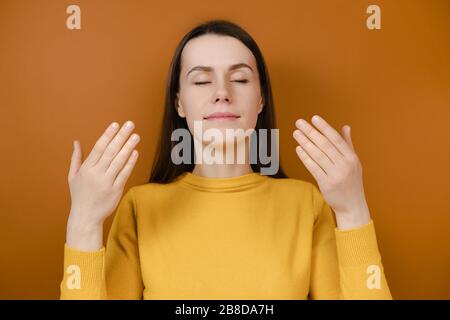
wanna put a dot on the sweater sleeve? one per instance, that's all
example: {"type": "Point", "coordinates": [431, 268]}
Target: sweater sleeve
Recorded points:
{"type": "Point", "coordinates": [112, 272]}
{"type": "Point", "coordinates": [346, 264]}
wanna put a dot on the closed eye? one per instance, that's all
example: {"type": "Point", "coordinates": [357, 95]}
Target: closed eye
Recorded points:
{"type": "Point", "coordinates": [205, 82]}
{"type": "Point", "coordinates": [200, 83]}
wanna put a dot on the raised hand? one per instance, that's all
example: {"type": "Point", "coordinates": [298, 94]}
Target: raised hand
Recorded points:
{"type": "Point", "coordinates": [332, 161]}
{"type": "Point", "coordinates": [96, 185]}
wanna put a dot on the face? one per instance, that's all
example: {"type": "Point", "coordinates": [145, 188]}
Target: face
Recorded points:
{"type": "Point", "coordinates": [218, 75]}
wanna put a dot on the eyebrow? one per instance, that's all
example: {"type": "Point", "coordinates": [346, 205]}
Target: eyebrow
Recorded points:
{"type": "Point", "coordinates": [208, 68]}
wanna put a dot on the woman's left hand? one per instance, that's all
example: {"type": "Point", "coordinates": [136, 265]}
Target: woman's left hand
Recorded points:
{"type": "Point", "coordinates": [334, 164]}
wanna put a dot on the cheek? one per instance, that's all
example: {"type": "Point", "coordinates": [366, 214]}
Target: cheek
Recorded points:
{"type": "Point", "coordinates": [193, 115]}
{"type": "Point", "coordinates": [192, 103]}
{"type": "Point", "coordinates": [191, 118]}
{"type": "Point", "coordinates": [251, 108]}
{"type": "Point", "coordinates": [250, 120]}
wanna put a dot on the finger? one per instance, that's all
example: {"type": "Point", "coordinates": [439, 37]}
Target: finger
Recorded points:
{"type": "Point", "coordinates": [347, 134]}
{"type": "Point", "coordinates": [125, 173]}
{"type": "Point", "coordinates": [115, 145]}
{"type": "Point", "coordinates": [310, 164]}
{"type": "Point", "coordinates": [122, 157]}
{"type": "Point", "coordinates": [319, 140]}
{"type": "Point", "coordinates": [76, 159]}
{"type": "Point", "coordinates": [313, 151]}
{"type": "Point", "coordinates": [332, 135]}
{"type": "Point", "coordinates": [101, 144]}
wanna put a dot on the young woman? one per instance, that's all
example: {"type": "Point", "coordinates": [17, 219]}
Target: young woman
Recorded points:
{"type": "Point", "coordinates": [209, 230]}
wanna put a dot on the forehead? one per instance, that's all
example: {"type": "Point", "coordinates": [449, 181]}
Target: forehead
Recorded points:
{"type": "Point", "coordinates": [216, 51]}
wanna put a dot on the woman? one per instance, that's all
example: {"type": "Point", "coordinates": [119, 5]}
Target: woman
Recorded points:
{"type": "Point", "coordinates": [209, 230]}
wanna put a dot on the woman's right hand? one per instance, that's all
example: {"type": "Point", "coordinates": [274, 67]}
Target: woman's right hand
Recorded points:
{"type": "Point", "coordinates": [97, 184]}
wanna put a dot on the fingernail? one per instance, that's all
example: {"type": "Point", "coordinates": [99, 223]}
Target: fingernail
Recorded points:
{"type": "Point", "coordinates": [302, 123]}
{"type": "Point", "coordinates": [114, 125]}
{"type": "Point", "coordinates": [129, 124]}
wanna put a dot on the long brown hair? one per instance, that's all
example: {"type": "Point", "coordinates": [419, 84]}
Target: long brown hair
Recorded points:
{"type": "Point", "coordinates": [163, 169]}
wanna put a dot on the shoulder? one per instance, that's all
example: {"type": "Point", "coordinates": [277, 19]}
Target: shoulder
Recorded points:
{"type": "Point", "coordinates": [310, 194]}
{"type": "Point", "coordinates": [151, 187]}
{"type": "Point", "coordinates": [152, 191]}
{"type": "Point", "coordinates": [292, 185]}
{"type": "Point", "coordinates": [304, 191]}
{"type": "Point", "coordinates": [307, 192]}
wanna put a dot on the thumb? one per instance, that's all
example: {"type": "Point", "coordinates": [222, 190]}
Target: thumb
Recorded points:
{"type": "Point", "coordinates": [76, 160]}
{"type": "Point", "coordinates": [347, 136]}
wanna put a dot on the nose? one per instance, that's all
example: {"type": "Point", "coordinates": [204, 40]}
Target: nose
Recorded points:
{"type": "Point", "coordinates": [222, 94]}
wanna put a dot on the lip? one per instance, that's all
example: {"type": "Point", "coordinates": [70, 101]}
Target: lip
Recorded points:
{"type": "Point", "coordinates": [222, 116]}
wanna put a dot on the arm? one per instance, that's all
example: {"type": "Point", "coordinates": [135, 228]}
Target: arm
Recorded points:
{"type": "Point", "coordinates": [346, 264]}
{"type": "Point", "coordinates": [112, 272]}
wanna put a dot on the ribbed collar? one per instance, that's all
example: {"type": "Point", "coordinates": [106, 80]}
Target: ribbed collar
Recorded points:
{"type": "Point", "coordinates": [239, 183]}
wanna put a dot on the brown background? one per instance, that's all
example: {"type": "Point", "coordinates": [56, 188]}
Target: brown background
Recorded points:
{"type": "Point", "coordinates": [391, 85]}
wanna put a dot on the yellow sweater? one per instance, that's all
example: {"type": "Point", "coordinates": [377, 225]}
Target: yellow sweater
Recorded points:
{"type": "Point", "coordinates": [246, 237]}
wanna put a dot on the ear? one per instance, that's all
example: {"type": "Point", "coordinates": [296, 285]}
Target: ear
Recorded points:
{"type": "Point", "coordinates": [179, 107]}
{"type": "Point", "coordinates": [261, 105]}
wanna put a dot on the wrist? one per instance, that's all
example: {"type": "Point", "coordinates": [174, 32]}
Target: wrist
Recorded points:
{"type": "Point", "coordinates": [83, 221]}
{"type": "Point", "coordinates": [352, 220]}
{"type": "Point", "coordinates": [84, 237]}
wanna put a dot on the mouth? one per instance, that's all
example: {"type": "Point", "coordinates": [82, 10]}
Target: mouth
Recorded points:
{"type": "Point", "coordinates": [222, 116]}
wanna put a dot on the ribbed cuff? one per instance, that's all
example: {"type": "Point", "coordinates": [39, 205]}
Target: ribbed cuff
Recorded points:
{"type": "Point", "coordinates": [91, 264]}
{"type": "Point", "coordinates": [357, 246]}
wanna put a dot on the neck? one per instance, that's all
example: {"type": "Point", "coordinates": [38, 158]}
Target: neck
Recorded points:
{"type": "Point", "coordinates": [221, 170]}
{"type": "Point", "coordinates": [225, 170]}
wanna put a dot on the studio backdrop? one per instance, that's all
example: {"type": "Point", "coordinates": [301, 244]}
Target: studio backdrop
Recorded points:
{"type": "Point", "coordinates": [69, 68]}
